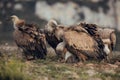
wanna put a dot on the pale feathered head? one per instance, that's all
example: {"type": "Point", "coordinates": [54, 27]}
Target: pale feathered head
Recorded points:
{"type": "Point", "coordinates": [51, 25]}
{"type": "Point", "coordinates": [15, 19]}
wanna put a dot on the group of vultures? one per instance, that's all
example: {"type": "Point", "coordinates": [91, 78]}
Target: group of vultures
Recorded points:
{"type": "Point", "coordinates": [73, 43]}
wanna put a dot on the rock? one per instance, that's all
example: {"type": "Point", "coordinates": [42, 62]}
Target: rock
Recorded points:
{"type": "Point", "coordinates": [114, 66]}
{"type": "Point", "coordinates": [94, 79]}
{"type": "Point", "coordinates": [79, 64]}
{"type": "Point", "coordinates": [109, 71]}
{"type": "Point", "coordinates": [90, 65]}
{"type": "Point", "coordinates": [117, 63]}
{"type": "Point", "coordinates": [72, 74]}
{"type": "Point", "coordinates": [91, 72]}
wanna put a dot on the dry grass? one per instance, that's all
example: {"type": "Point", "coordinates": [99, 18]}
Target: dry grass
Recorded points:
{"type": "Point", "coordinates": [14, 68]}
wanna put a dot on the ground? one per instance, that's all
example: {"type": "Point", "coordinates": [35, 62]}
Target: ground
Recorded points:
{"type": "Point", "coordinates": [13, 67]}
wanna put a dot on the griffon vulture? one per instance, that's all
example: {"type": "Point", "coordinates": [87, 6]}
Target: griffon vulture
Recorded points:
{"type": "Point", "coordinates": [55, 41]}
{"type": "Point", "coordinates": [107, 35]}
{"type": "Point", "coordinates": [49, 31]}
{"type": "Point", "coordinates": [77, 42]}
{"type": "Point", "coordinates": [29, 38]}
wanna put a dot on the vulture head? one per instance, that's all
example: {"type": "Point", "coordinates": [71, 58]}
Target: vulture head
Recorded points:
{"type": "Point", "coordinates": [14, 18]}
{"type": "Point", "coordinates": [17, 22]}
{"type": "Point", "coordinates": [51, 25]}
{"type": "Point", "coordinates": [108, 37]}
{"type": "Point", "coordinates": [29, 38]}
{"type": "Point", "coordinates": [51, 35]}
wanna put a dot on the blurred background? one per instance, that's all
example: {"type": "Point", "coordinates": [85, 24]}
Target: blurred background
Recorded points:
{"type": "Point", "coordinates": [105, 13]}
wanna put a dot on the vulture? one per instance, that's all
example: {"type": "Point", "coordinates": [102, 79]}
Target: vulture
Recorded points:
{"type": "Point", "coordinates": [76, 43]}
{"type": "Point", "coordinates": [49, 31]}
{"type": "Point", "coordinates": [107, 35]}
{"type": "Point", "coordinates": [29, 38]}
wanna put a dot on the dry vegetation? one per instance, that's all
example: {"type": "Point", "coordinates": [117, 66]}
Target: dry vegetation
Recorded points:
{"type": "Point", "coordinates": [13, 67]}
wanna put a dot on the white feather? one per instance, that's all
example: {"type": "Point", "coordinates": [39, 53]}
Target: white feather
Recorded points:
{"type": "Point", "coordinates": [67, 55]}
{"type": "Point", "coordinates": [60, 46]}
{"type": "Point", "coordinates": [106, 49]}
{"type": "Point", "coordinates": [106, 41]}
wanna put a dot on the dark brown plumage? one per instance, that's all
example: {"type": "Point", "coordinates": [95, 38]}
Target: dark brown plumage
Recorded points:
{"type": "Point", "coordinates": [29, 38]}
{"type": "Point", "coordinates": [107, 35]}
{"type": "Point", "coordinates": [83, 45]}
{"type": "Point", "coordinates": [77, 42]}
{"type": "Point", "coordinates": [50, 34]}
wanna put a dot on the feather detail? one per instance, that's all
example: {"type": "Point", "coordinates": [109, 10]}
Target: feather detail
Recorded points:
{"type": "Point", "coordinates": [30, 39]}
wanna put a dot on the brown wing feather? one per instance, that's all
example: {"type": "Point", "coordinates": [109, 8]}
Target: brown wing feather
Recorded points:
{"type": "Point", "coordinates": [81, 43]}
{"type": "Point", "coordinates": [31, 42]}
{"type": "Point", "coordinates": [80, 40]}
{"type": "Point", "coordinates": [21, 38]}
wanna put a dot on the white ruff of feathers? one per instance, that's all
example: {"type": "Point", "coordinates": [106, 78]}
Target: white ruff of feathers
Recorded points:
{"type": "Point", "coordinates": [16, 20]}
{"type": "Point", "coordinates": [106, 49]}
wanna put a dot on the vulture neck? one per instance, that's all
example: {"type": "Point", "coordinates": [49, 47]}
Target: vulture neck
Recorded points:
{"type": "Point", "coordinates": [15, 23]}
